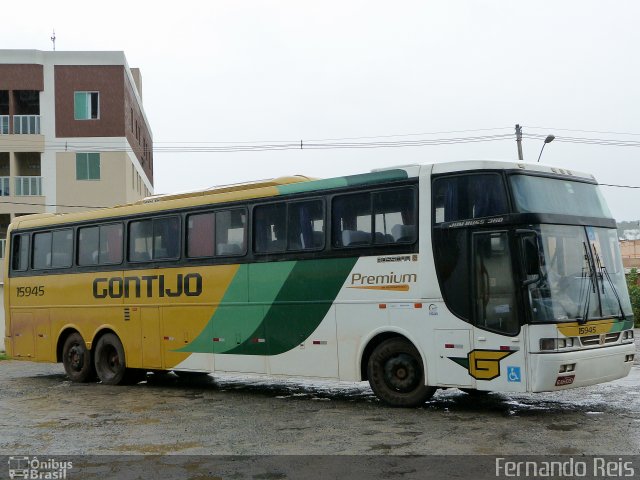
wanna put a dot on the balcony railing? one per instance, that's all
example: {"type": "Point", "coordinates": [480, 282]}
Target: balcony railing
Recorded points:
{"type": "Point", "coordinates": [4, 124]}
{"type": "Point", "coordinates": [4, 186]}
{"type": "Point", "coordinates": [28, 186]}
{"type": "Point", "coordinates": [26, 124]}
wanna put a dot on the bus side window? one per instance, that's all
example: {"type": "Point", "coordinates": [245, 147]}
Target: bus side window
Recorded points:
{"type": "Point", "coordinates": [53, 249]}
{"type": "Point", "coordinates": [351, 219]}
{"type": "Point", "coordinates": [306, 225]}
{"type": "Point", "coordinates": [166, 238]}
{"type": "Point", "coordinates": [88, 245]}
{"type": "Point", "coordinates": [41, 250]}
{"type": "Point", "coordinates": [110, 244]}
{"type": "Point", "coordinates": [20, 253]}
{"type": "Point", "coordinates": [157, 239]}
{"type": "Point", "coordinates": [395, 216]}
{"type": "Point", "coordinates": [269, 228]}
{"type": "Point", "coordinates": [140, 243]}
{"type": "Point", "coordinates": [231, 232]}
{"type": "Point", "coordinates": [200, 231]}
{"type": "Point", "coordinates": [468, 196]}
{"type": "Point", "coordinates": [61, 248]}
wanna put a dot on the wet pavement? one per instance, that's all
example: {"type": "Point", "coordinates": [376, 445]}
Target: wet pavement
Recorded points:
{"type": "Point", "coordinates": [44, 413]}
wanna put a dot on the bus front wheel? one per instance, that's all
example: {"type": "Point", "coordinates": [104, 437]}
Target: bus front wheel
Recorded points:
{"type": "Point", "coordinates": [77, 359]}
{"type": "Point", "coordinates": [396, 375]}
{"type": "Point", "coordinates": [109, 360]}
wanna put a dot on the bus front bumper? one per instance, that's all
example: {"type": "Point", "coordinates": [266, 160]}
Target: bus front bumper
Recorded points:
{"type": "Point", "coordinates": [589, 367]}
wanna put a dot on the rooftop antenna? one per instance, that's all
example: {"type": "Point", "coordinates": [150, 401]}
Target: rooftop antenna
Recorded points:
{"type": "Point", "coordinates": [53, 39]}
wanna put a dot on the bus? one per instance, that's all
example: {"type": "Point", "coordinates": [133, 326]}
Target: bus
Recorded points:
{"type": "Point", "coordinates": [478, 275]}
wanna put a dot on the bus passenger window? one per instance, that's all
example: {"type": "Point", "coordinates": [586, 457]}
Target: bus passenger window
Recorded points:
{"type": "Point", "coordinates": [306, 225]}
{"type": "Point", "coordinates": [269, 228]}
{"type": "Point", "coordinates": [20, 252]}
{"type": "Point", "coordinates": [53, 249]}
{"type": "Point", "coordinates": [200, 235]}
{"type": "Point", "coordinates": [468, 196]}
{"type": "Point", "coordinates": [140, 243]}
{"type": "Point", "coordinates": [110, 244]}
{"type": "Point", "coordinates": [166, 235]}
{"type": "Point", "coordinates": [100, 245]}
{"type": "Point", "coordinates": [231, 232]}
{"type": "Point", "coordinates": [88, 245]}
{"type": "Point", "coordinates": [351, 220]}
{"type": "Point", "coordinates": [156, 239]}
{"type": "Point", "coordinates": [62, 248]}
{"type": "Point", "coordinates": [395, 216]}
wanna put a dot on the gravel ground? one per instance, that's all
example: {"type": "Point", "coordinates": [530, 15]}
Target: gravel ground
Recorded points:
{"type": "Point", "coordinates": [44, 413]}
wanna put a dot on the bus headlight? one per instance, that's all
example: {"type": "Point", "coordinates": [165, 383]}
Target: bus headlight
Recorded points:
{"type": "Point", "coordinates": [627, 335]}
{"type": "Point", "coordinates": [548, 343]}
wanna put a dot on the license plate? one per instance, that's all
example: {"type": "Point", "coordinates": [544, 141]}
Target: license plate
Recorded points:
{"type": "Point", "coordinates": [566, 380]}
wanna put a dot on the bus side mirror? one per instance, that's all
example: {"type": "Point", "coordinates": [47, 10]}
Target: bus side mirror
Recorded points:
{"type": "Point", "coordinates": [530, 257]}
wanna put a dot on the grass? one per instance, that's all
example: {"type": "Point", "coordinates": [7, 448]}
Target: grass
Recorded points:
{"type": "Point", "coordinates": [3, 356]}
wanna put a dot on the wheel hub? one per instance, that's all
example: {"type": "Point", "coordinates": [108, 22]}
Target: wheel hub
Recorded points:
{"type": "Point", "coordinates": [76, 358]}
{"type": "Point", "coordinates": [402, 373]}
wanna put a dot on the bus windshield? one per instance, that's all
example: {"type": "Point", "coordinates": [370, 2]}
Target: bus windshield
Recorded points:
{"type": "Point", "coordinates": [581, 275]}
{"type": "Point", "coordinates": [555, 195]}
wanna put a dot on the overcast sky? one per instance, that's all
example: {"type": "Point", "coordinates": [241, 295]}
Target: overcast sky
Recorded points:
{"type": "Point", "coordinates": [253, 71]}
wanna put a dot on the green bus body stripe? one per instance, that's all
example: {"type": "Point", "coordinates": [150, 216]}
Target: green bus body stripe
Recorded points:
{"type": "Point", "coordinates": [283, 310]}
{"type": "Point", "coordinates": [349, 181]}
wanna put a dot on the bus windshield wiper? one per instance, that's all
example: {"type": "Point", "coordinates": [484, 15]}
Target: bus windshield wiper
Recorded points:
{"type": "Point", "coordinates": [587, 297]}
{"type": "Point", "coordinates": [604, 273]}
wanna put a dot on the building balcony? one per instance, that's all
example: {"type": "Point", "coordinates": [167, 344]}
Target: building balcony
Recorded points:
{"type": "Point", "coordinates": [22, 125]}
{"type": "Point", "coordinates": [22, 186]}
{"type": "Point", "coordinates": [26, 124]}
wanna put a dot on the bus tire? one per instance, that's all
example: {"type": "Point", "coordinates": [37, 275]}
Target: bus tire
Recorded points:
{"type": "Point", "coordinates": [396, 375]}
{"type": "Point", "coordinates": [77, 359]}
{"type": "Point", "coordinates": [110, 362]}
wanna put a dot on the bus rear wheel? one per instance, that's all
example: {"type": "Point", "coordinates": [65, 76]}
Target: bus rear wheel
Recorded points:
{"type": "Point", "coordinates": [110, 361]}
{"type": "Point", "coordinates": [77, 359]}
{"type": "Point", "coordinates": [396, 375]}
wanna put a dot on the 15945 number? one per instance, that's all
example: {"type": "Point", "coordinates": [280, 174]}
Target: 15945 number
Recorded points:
{"type": "Point", "coordinates": [586, 330]}
{"type": "Point", "coordinates": [37, 291]}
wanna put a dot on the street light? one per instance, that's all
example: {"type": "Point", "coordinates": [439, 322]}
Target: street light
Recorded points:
{"type": "Point", "coordinates": [549, 139]}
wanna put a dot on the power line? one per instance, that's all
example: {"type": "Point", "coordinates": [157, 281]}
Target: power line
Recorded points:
{"type": "Point", "coordinates": [588, 141]}
{"type": "Point", "coordinates": [552, 129]}
{"type": "Point", "coordinates": [293, 145]}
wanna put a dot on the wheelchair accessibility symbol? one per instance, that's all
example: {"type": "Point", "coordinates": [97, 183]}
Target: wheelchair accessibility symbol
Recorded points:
{"type": "Point", "coordinates": [513, 374]}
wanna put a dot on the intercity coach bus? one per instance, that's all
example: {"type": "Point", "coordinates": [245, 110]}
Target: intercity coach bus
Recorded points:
{"type": "Point", "coordinates": [479, 275]}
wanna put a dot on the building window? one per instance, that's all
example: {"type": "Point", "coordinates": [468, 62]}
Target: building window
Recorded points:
{"type": "Point", "coordinates": [86, 105]}
{"type": "Point", "coordinates": [87, 166]}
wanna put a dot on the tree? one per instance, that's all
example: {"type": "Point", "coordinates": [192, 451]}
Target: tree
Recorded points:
{"type": "Point", "coordinates": [634, 294]}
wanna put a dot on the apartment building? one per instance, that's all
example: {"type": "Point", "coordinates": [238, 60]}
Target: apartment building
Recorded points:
{"type": "Point", "coordinates": [73, 134]}
{"type": "Point", "coordinates": [630, 252]}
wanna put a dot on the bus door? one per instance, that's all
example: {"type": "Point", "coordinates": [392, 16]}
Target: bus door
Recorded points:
{"type": "Point", "coordinates": [497, 360]}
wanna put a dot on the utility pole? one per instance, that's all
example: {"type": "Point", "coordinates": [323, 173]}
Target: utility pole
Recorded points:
{"type": "Point", "coordinates": [519, 141]}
